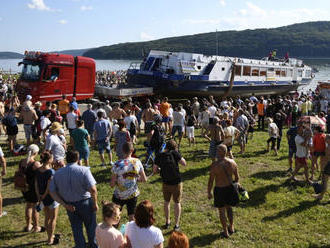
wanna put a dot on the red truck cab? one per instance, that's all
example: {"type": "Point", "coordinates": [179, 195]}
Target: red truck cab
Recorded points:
{"type": "Point", "coordinates": [48, 76]}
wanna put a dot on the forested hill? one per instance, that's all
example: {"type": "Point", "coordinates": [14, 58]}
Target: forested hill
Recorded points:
{"type": "Point", "coordinates": [10, 55]}
{"type": "Point", "coordinates": [311, 39]}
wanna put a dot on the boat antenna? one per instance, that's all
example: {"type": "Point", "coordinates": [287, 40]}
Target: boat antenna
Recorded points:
{"type": "Point", "coordinates": [217, 43]}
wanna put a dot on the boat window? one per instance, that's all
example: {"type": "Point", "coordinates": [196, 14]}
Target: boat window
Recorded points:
{"type": "Point", "coordinates": [238, 70]}
{"type": "Point", "coordinates": [156, 65]}
{"type": "Point", "coordinates": [255, 72]}
{"type": "Point", "coordinates": [223, 68]}
{"type": "Point", "coordinates": [246, 70]}
{"type": "Point", "coordinates": [299, 73]}
{"type": "Point", "coordinates": [283, 73]}
{"type": "Point", "coordinates": [149, 63]}
{"type": "Point", "coordinates": [278, 72]}
{"type": "Point", "coordinates": [289, 72]}
{"type": "Point", "coordinates": [263, 71]}
{"type": "Point", "coordinates": [308, 73]}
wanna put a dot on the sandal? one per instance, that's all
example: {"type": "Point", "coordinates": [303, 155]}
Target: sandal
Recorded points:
{"type": "Point", "coordinates": [42, 229]}
{"type": "Point", "coordinates": [28, 229]}
{"type": "Point", "coordinates": [56, 240]}
{"type": "Point", "coordinates": [224, 236]}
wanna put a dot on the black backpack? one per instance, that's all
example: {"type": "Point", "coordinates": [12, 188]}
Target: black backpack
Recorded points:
{"type": "Point", "coordinates": [132, 129]}
{"type": "Point", "coordinates": [157, 138]}
{"type": "Point", "coordinates": [169, 170]}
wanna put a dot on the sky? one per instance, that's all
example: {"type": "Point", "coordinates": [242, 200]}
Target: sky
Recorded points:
{"type": "Point", "coordinates": [50, 25]}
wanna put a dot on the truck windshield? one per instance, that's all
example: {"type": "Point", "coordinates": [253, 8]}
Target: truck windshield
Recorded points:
{"type": "Point", "coordinates": [31, 72]}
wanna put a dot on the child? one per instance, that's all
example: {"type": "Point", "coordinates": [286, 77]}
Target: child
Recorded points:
{"type": "Point", "coordinates": [273, 134]}
{"type": "Point", "coordinates": [107, 236]}
{"type": "Point", "coordinates": [190, 129]}
{"type": "Point", "coordinates": [326, 171]}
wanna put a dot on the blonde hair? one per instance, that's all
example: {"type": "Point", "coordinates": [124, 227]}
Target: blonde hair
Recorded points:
{"type": "Point", "coordinates": [32, 150]}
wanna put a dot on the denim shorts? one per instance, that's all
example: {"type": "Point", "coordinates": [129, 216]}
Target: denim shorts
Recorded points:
{"type": "Point", "coordinates": [103, 145]}
{"type": "Point", "coordinates": [83, 153]}
{"type": "Point", "coordinates": [28, 131]}
{"type": "Point", "coordinates": [178, 129]}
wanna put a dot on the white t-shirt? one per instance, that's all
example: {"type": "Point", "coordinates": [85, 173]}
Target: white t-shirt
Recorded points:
{"type": "Point", "coordinates": [128, 120]}
{"type": "Point", "coordinates": [301, 150]}
{"type": "Point", "coordinates": [55, 145]}
{"type": "Point", "coordinates": [273, 130]}
{"type": "Point", "coordinates": [229, 135]}
{"type": "Point", "coordinates": [1, 153]}
{"type": "Point", "coordinates": [71, 118]}
{"type": "Point", "coordinates": [44, 122]}
{"type": "Point", "coordinates": [178, 118]}
{"type": "Point", "coordinates": [212, 111]}
{"type": "Point", "coordinates": [143, 237]}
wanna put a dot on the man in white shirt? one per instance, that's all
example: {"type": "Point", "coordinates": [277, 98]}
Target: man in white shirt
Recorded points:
{"type": "Point", "coordinates": [212, 110]}
{"type": "Point", "coordinates": [129, 119]}
{"type": "Point", "coordinates": [71, 118]}
{"type": "Point", "coordinates": [301, 155]}
{"type": "Point", "coordinates": [55, 145]}
{"type": "Point", "coordinates": [178, 123]}
{"type": "Point", "coordinates": [45, 123]}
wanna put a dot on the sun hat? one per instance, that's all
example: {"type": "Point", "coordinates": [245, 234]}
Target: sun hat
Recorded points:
{"type": "Point", "coordinates": [55, 126]}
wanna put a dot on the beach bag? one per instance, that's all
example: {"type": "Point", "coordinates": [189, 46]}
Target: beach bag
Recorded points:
{"type": "Point", "coordinates": [20, 182]}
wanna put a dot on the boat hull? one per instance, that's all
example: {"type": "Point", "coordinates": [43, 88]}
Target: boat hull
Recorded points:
{"type": "Point", "coordinates": [205, 88]}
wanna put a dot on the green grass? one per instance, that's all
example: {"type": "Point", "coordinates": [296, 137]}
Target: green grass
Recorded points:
{"type": "Point", "coordinates": [278, 214]}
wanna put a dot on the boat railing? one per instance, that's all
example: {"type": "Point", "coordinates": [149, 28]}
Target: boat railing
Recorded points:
{"type": "Point", "coordinates": [134, 65]}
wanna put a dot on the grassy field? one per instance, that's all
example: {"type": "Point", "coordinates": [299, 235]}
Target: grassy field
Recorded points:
{"type": "Point", "coordinates": [278, 214]}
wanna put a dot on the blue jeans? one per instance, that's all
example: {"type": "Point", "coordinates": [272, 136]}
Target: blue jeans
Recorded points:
{"type": "Point", "coordinates": [84, 214]}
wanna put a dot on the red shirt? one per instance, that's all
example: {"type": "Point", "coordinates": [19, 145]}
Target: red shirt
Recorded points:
{"type": "Point", "coordinates": [319, 142]}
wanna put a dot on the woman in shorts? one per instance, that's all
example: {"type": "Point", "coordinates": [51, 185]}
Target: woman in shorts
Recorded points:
{"type": "Point", "coordinates": [43, 177]}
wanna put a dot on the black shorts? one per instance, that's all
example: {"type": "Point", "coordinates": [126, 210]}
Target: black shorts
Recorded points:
{"type": "Point", "coordinates": [148, 127]}
{"type": "Point", "coordinates": [317, 154]}
{"type": "Point", "coordinates": [30, 196]}
{"type": "Point", "coordinates": [11, 131]}
{"type": "Point", "coordinates": [327, 169]}
{"type": "Point", "coordinates": [130, 203]}
{"type": "Point", "coordinates": [251, 129]}
{"type": "Point", "coordinates": [224, 196]}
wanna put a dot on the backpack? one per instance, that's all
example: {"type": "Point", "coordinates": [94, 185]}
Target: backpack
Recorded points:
{"type": "Point", "coordinates": [169, 168]}
{"type": "Point", "coordinates": [20, 181]}
{"type": "Point", "coordinates": [132, 128]}
{"type": "Point", "coordinates": [157, 138]}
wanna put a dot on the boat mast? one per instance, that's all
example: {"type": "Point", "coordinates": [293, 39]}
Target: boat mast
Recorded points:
{"type": "Point", "coordinates": [217, 43]}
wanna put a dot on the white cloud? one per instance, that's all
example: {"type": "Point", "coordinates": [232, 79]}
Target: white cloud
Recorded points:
{"type": "Point", "coordinates": [202, 21]}
{"type": "Point", "coordinates": [63, 21]}
{"type": "Point", "coordinates": [222, 2]}
{"type": "Point", "coordinates": [255, 10]}
{"type": "Point", "coordinates": [38, 4]}
{"type": "Point", "coordinates": [84, 8]}
{"type": "Point", "coordinates": [145, 36]}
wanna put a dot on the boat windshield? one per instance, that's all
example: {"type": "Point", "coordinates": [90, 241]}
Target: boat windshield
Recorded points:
{"type": "Point", "coordinates": [31, 71]}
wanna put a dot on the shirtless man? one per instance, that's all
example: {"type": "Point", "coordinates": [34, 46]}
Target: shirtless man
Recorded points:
{"type": "Point", "coordinates": [215, 135]}
{"type": "Point", "coordinates": [221, 172]}
{"type": "Point", "coordinates": [117, 112]}
{"type": "Point", "coordinates": [148, 117]}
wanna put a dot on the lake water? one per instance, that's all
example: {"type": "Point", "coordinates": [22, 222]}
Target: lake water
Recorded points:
{"type": "Point", "coordinates": [322, 65]}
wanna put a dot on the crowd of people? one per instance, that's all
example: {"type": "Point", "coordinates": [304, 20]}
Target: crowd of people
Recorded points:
{"type": "Point", "coordinates": [62, 175]}
{"type": "Point", "coordinates": [111, 78]}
